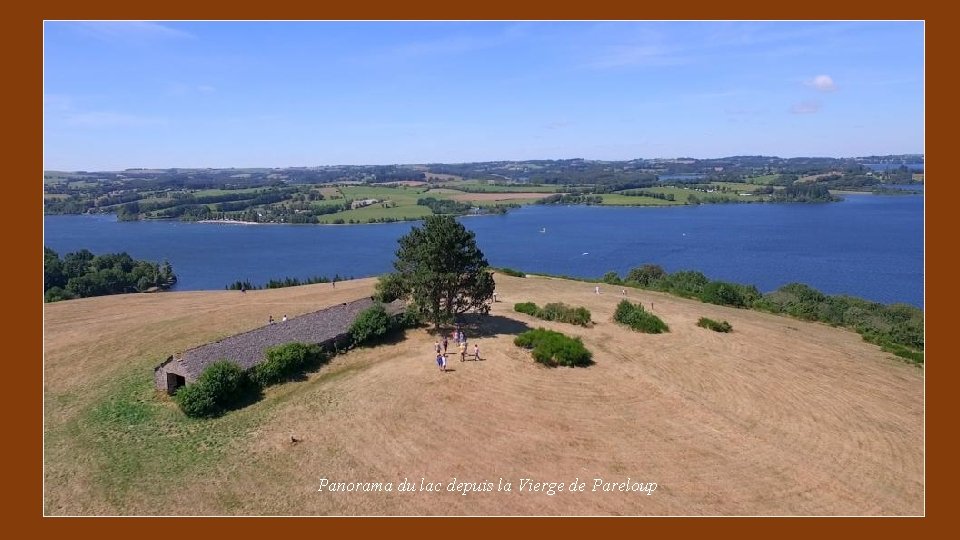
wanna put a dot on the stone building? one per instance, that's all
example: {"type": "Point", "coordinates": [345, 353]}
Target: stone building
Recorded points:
{"type": "Point", "coordinates": [326, 327]}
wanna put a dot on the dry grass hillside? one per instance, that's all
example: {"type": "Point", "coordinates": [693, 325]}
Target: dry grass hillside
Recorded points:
{"type": "Point", "coordinates": [779, 417]}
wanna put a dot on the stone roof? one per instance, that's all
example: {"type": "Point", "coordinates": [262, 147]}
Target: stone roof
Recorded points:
{"type": "Point", "coordinates": [247, 349]}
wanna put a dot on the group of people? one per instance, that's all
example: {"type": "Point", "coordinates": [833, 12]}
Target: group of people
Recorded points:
{"type": "Point", "coordinates": [461, 340]}
{"type": "Point", "coordinates": [271, 321]}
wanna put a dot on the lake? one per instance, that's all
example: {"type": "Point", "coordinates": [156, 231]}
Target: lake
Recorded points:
{"type": "Point", "coordinates": [869, 246]}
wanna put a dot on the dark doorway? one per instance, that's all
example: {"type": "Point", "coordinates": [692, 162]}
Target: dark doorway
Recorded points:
{"type": "Point", "coordinates": [174, 382]}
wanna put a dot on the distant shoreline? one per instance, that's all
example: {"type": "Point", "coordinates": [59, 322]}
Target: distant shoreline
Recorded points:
{"type": "Point", "coordinates": [231, 222]}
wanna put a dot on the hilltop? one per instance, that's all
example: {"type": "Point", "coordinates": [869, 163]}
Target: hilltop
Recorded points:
{"type": "Point", "coordinates": [778, 417]}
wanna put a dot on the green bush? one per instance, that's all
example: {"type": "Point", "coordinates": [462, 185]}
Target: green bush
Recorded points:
{"type": "Point", "coordinates": [511, 272]}
{"type": "Point", "coordinates": [410, 318]}
{"type": "Point", "coordinates": [370, 325]}
{"type": "Point", "coordinates": [567, 314]}
{"type": "Point", "coordinates": [685, 283]}
{"type": "Point", "coordinates": [527, 307]}
{"type": "Point", "coordinates": [554, 349]}
{"type": "Point", "coordinates": [637, 318]}
{"type": "Point", "coordinates": [646, 275]}
{"type": "Point", "coordinates": [722, 326]}
{"type": "Point", "coordinates": [729, 294]}
{"type": "Point", "coordinates": [612, 278]}
{"type": "Point", "coordinates": [556, 311]}
{"type": "Point", "coordinates": [284, 362]}
{"type": "Point", "coordinates": [897, 328]}
{"type": "Point", "coordinates": [389, 288]}
{"type": "Point", "coordinates": [220, 386]}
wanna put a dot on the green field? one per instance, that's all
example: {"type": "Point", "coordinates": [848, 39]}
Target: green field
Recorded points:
{"type": "Point", "coordinates": [763, 179]}
{"type": "Point", "coordinates": [615, 199]}
{"type": "Point", "coordinates": [477, 186]}
{"type": "Point", "coordinates": [403, 201]}
{"type": "Point", "coordinates": [208, 192]}
{"type": "Point", "coordinates": [738, 186]}
{"type": "Point", "coordinates": [376, 211]}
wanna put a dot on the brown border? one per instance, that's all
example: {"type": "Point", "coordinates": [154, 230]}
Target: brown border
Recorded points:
{"type": "Point", "coordinates": [23, 40]}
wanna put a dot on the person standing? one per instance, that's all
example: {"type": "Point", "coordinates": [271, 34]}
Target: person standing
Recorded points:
{"type": "Point", "coordinates": [597, 289]}
{"type": "Point", "coordinates": [463, 351]}
{"type": "Point", "coordinates": [270, 320]}
{"type": "Point", "coordinates": [436, 347]}
{"type": "Point", "coordinates": [440, 362]}
{"type": "Point", "coordinates": [476, 351]}
{"type": "Point", "coordinates": [443, 363]}
{"type": "Point", "coordinates": [445, 344]}
{"type": "Point", "coordinates": [284, 317]}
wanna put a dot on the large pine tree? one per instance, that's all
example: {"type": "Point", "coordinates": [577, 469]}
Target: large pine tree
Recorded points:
{"type": "Point", "coordinates": [441, 269]}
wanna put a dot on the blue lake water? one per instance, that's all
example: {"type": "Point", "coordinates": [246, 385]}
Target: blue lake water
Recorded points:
{"type": "Point", "coordinates": [868, 245]}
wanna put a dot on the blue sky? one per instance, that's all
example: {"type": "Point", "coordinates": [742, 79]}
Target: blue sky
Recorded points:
{"type": "Point", "coordinates": [276, 94]}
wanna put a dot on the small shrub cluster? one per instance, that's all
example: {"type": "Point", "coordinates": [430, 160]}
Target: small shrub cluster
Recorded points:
{"type": "Point", "coordinates": [554, 349]}
{"type": "Point", "coordinates": [370, 325]}
{"type": "Point", "coordinates": [511, 272]}
{"type": "Point", "coordinates": [285, 362]}
{"type": "Point", "coordinates": [637, 318]}
{"type": "Point", "coordinates": [722, 326]}
{"type": "Point", "coordinates": [527, 307]}
{"type": "Point", "coordinates": [221, 386]}
{"type": "Point", "coordinates": [224, 385]}
{"type": "Point", "coordinates": [557, 311]}
{"type": "Point", "coordinates": [896, 328]}
{"type": "Point", "coordinates": [691, 284]}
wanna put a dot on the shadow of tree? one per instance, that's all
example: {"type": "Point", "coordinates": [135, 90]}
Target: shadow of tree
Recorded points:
{"type": "Point", "coordinates": [479, 325]}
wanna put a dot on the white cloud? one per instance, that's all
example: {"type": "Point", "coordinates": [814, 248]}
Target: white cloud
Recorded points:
{"type": "Point", "coordinates": [806, 107]}
{"type": "Point", "coordinates": [127, 32]}
{"type": "Point", "coordinates": [823, 83]}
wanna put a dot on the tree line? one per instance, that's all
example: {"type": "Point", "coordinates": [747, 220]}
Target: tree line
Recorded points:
{"type": "Point", "coordinates": [897, 328]}
{"type": "Point", "coordinates": [81, 274]}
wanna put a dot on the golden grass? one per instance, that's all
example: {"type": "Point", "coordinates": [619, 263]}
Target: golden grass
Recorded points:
{"type": "Point", "coordinates": [778, 417]}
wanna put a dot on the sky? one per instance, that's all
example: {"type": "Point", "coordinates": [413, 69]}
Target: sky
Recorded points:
{"type": "Point", "coordinates": [169, 94]}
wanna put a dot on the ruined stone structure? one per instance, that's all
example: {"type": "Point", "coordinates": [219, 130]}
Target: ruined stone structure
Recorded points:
{"type": "Point", "coordinates": [325, 327]}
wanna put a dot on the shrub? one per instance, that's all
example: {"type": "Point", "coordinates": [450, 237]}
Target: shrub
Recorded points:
{"type": "Point", "coordinates": [390, 287]}
{"type": "Point", "coordinates": [683, 283]}
{"type": "Point", "coordinates": [527, 307]}
{"type": "Point", "coordinates": [284, 362]}
{"type": "Point", "coordinates": [410, 318]}
{"type": "Point", "coordinates": [637, 318]}
{"type": "Point", "coordinates": [563, 313]}
{"type": "Point", "coordinates": [646, 275]}
{"type": "Point", "coordinates": [729, 294]}
{"type": "Point", "coordinates": [557, 311]}
{"type": "Point", "coordinates": [371, 324]}
{"type": "Point", "coordinates": [511, 272]}
{"type": "Point", "coordinates": [611, 277]}
{"type": "Point", "coordinates": [554, 349]}
{"type": "Point", "coordinates": [722, 326]}
{"type": "Point", "coordinates": [220, 386]}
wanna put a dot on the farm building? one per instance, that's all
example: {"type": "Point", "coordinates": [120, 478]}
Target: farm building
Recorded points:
{"type": "Point", "coordinates": [324, 327]}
